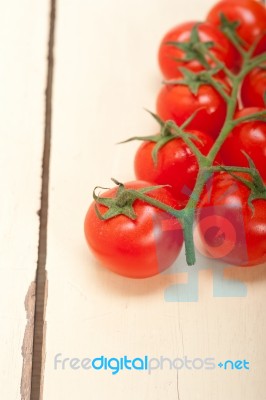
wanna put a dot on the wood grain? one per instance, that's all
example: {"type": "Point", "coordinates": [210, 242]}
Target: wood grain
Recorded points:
{"type": "Point", "coordinates": [23, 45]}
{"type": "Point", "coordinates": [105, 73]}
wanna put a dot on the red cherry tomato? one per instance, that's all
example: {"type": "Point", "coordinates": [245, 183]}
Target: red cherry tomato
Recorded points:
{"type": "Point", "coordinates": [177, 103]}
{"type": "Point", "coordinates": [136, 248]}
{"type": "Point", "coordinates": [176, 164]}
{"type": "Point", "coordinates": [169, 56]}
{"type": "Point", "coordinates": [229, 230]}
{"type": "Point", "coordinates": [250, 14]}
{"type": "Point", "coordinates": [250, 137]}
{"type": "Point", "coordinates": [253, 88]}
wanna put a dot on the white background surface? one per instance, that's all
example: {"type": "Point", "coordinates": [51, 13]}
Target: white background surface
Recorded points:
{"type": "Point", "coordinates": [105, 74]}
{"type": "Point", "coordinates": [23, 46]}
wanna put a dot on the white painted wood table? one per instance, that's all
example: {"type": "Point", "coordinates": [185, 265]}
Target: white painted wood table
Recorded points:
{"type": "Point", "coordinates": [105, 72]}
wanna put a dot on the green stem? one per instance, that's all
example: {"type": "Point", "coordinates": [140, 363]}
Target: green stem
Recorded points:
{"type": "Point", "coordinates": [219, 89]}
{"type": "Point", "coordinates": [227, 127]}
{"type": "Point", "coordinates": [189, 216]}
{"type": "Point", "coordinates": [204, 173]}
{"type": "Point", "coordinates": [156, 203]}
{"type": "Point", "coordinates": [188, 237]}
{"type": "Point", "coordinates": [200, 157]}
{"type": "Point", "coordinates": [230, 168]}
{"type": "Point", "coordinates": [185, 217]}
{"type": "Point", "coordinates": [236, 43]}
{"type": "Point", "coordinates": [220, 64]}
{"type": "Point", "coordinates": [250, 117]}
{"type": "Point", "coordinates": [229, 122]}
{"type": "Point", "coordinates": [254, 45]}
{"type": "Point", "coordinates": [252, 63]}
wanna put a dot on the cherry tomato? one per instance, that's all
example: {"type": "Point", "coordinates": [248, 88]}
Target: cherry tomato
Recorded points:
{"type": "Point", "coordinates": [250, 14]}
{"type": "Point", "coordinates": [229, 230]}
{"type": "Point", "coordinates": [135, 248]}
{"type": "Point", "coordinates": [250, 137]}
{"type": "Point", "coordinates": [176, 164]}
{"type": "Point", "coordinates": [169, 56]}
{"type": "Point", "coordinates": [254, 88]}
{"type": "Point", "coordinates": [177, 103]}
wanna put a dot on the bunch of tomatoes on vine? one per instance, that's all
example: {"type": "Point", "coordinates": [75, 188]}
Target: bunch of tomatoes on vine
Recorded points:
{"type": "Point", "coordinates": [203, 173]}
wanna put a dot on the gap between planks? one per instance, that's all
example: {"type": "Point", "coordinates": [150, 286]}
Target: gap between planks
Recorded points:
{"type": "Point", "coordinates": [38, 353]}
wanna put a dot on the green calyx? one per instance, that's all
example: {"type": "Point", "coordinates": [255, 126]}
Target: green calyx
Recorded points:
{"type": "Point", "coordinates": [194, 49]}
{"type": "Point", "coordinates": [122, 203]}
{"type": "Point", "coordinates": [194, 80]}
{"type": "Point", "coordinates": [229, 28]}
{"type": "Point", "coordinates": [168, 131]}
{"type": "Point", "coordinates": [255, 184]}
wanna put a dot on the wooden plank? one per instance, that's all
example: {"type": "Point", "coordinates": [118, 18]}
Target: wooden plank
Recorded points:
{"type": "Point", "coordinates": [23, 45]}
{"type": "Point", "coordinates": [105, 72]}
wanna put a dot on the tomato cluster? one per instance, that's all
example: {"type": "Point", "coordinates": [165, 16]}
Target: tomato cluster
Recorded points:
{"type": "Point", "coordinates": [133, 229]}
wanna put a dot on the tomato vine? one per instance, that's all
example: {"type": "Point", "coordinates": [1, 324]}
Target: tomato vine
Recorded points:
{"type": "Point", "coordinates": [169, 131]}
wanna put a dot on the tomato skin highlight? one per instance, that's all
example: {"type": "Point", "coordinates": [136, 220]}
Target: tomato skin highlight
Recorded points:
{"type": "Point", "coordinates": [253, 88]}
{"type": "Point", "coordinates": [136, 248]}
{"type": "Point", "coordinates": [177, 103]}
{"type": "Point", "coordinates": [176, 165]}
{"type": "Point", "coordinates": [242, 234]}
{"type": "Point", "coordinates": [168, 54]}
{"type": "Point", "coordinates": [250, 137]}
{"type": "Point", "coordinates": [250, 14]}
